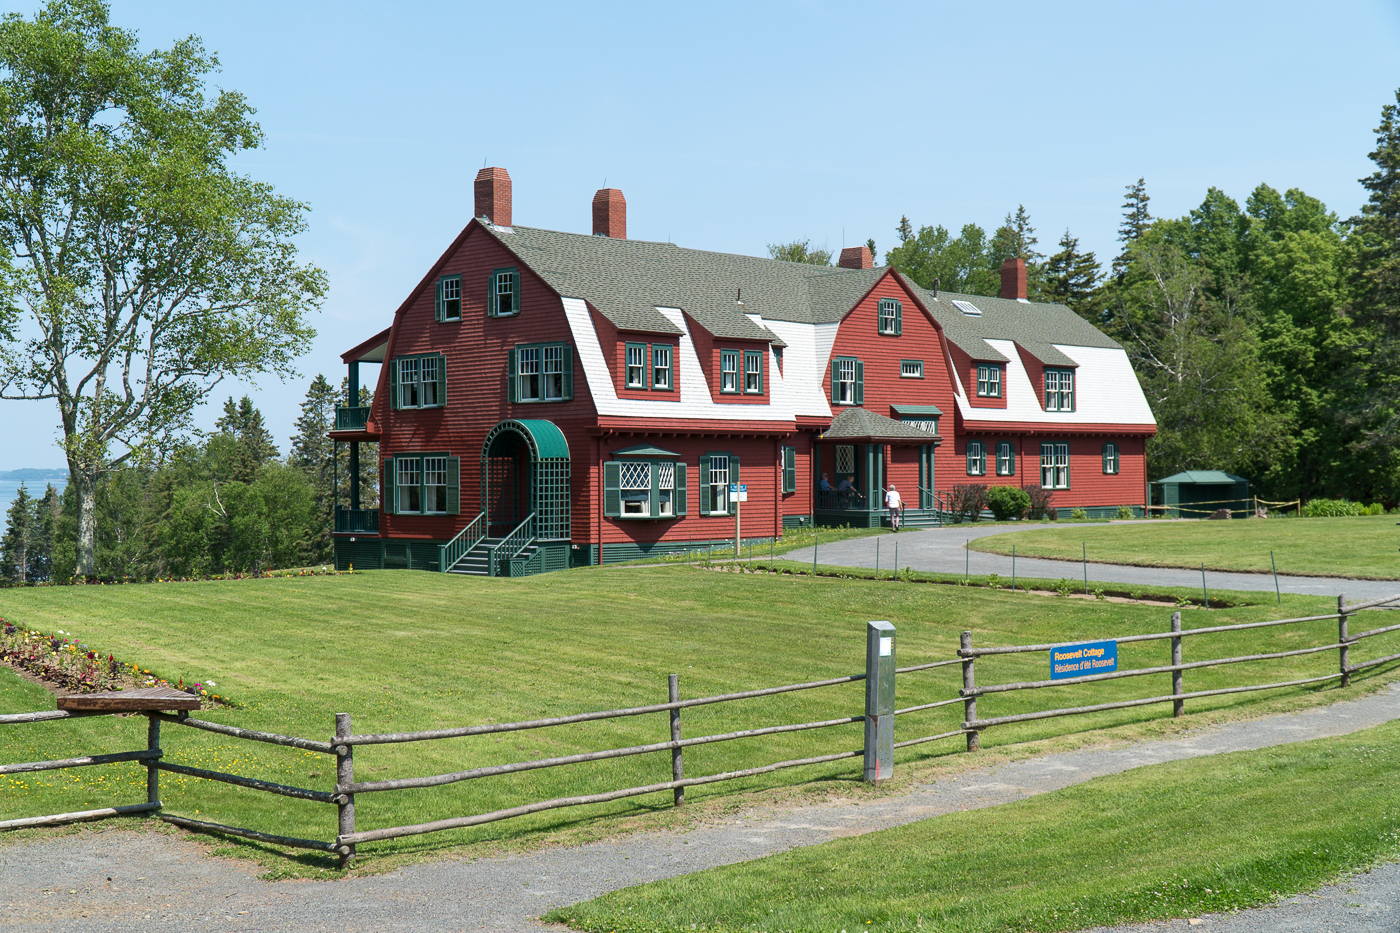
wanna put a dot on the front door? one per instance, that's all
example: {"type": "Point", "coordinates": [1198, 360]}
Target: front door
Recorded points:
{"type": "Point", "coordinates": [507, 484]}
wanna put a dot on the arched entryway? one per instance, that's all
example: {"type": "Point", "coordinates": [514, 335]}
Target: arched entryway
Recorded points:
{"type": "Point", "coordinates": [525, 469]}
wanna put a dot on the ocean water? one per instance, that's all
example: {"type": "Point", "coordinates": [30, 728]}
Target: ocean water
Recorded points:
{"type": "Point", "coordinates": [9, 488]}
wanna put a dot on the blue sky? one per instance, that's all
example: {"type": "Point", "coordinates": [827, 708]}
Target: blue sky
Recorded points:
{"type": "Point", "coordinates": [729, 126]}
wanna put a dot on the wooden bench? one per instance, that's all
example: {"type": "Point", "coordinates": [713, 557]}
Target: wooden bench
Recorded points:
{"type": "Point", "coordinates": [146, 699]}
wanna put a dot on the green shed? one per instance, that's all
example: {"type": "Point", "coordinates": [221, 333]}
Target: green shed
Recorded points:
{"type": "Point", "coordinates": [1198, 493]}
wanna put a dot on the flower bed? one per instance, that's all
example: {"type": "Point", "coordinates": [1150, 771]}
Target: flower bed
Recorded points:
{"type": "Point", "coordinates": [68, 664]}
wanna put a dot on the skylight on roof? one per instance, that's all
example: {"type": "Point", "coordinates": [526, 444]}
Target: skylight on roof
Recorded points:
{"type": "Point", "coordinates": [967, 307]}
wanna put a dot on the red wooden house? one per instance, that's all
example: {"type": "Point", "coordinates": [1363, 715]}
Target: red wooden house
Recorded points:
{"type": "Point", "coordinates": [553, 399]}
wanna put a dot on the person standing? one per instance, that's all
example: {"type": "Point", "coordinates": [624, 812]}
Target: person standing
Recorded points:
{"type": "Point", "coordinates": [895, 505]}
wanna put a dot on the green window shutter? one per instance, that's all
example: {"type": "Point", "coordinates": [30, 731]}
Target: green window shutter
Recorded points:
{"type": "Point", "coordinates": [512, 373]}
{"type": "Point", "coordinates": [568, 357]}
{"type": "Point", "coordinates": [789, 469]}
{"type": "Point", "coordinates": [437, 301]}
{"type": "Point", "coordinates": [654, 497]}
{"type": "Point", "coordinates": [515, 290]}
{"type": "Point", "coordinates": [394, 383]}
{"type": "Point", "coordinates": [612, 489]}
{"type": "Point", "coordinates": [860, 383]}
{"type": "Point", "coordinates": [761, 355]}
{"type": "Point", "coordinates": [441, 379]}
{"type": "Point", "coordinates": [678, 494]}
{"type": "Point", "coordinates": [1105, 458]}
{"type": "Point", "coordinates": [833, 381]}
{"type": "Point", "coordinates": [491, 295]}
{"type": "Point", "coordinates": [388, 500]}
{"type": "Point", "coordinates": [898, 318]}
{"type": "Point", "coordinates": [733, 480]}
{"type": "Point", "coordinates": [706, 506]}
{"type": "Point", "coordinates": [1012, 459]}
{"type": "Point", "coordinates": [454, 485]}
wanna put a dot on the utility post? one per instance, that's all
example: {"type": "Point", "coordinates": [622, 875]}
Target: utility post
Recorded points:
{"type": "Point", "coordinates": [879, 701]}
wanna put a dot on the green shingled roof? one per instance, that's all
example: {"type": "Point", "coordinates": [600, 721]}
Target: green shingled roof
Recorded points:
{"type": "Point", "coordinates": [857, 424]}
{"type": "Point", "coordinates": [627, 280]}
{"type": "Point", "coordinates": [1202, 477]}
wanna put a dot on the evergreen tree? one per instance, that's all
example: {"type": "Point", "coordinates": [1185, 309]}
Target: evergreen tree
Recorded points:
{"type": "Point", "coordinates": [315, 455]}
{"type": "Point", "coordinates": [21, 534]}
{"type": "Point", "coordinates": [253, 446]}
{"type": "Point", "coordinates": [874, 254]}
{"type": "Point", "coordinates": [46, 521]}
{"type": "Point", "coordinates": [905, 230]}
{"type": "Point", "coordinates": [1072, 278]}
{"type": "Point", "coordinates": [1015, 239]}
{"type": "Point", "coordinates": [1136, 220]}
{"type": "Point", "coordinates": [957, 264]}
{"type": "Point", "coordinates": [1369, 357]}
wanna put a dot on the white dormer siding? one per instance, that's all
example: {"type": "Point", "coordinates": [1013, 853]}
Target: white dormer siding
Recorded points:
{"type": "Point", "coordinates": [1106, 391]}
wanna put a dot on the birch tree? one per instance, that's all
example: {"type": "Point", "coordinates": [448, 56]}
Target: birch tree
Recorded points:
{"type": "Point", "coordinates": [137, 269]}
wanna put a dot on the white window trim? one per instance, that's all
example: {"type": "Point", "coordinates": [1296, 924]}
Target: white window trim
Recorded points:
{"type": "Point", "coordinates": [911, 369]}
{"type": "Point", "coordinates": [1054, 465]}
{"type": "Point", "coordinates": [976, 466]}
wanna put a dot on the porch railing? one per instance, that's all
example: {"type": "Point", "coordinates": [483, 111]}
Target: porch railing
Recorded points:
{"type": "Point", "coordinates": [351, 418]}
{"type": "Point", "coordinates": [511, 546]}
{"type": "Point", "coordinates": [842, 502]}
{"type": "Point", "coordinates": [465, 540]}
{"type": "Point", "coordinates": [356, 521]}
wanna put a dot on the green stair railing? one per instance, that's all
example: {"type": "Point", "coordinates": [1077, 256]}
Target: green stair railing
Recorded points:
{"type": "Point", "coordinates": [466, 539]}
{"type": "Point", "coordinates": [510, 546]}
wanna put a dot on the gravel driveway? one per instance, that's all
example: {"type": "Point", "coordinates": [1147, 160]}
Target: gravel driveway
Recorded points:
{"type": "Point", "coordinates": [941, 550]}
{"type": "Point", "coordinates": [119, 881]}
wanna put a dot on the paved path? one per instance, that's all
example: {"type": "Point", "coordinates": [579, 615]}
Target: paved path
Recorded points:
{"type": "Point", "coordinates": [115, 881]}
{"type": "Point", "coordinates": [941, 550]}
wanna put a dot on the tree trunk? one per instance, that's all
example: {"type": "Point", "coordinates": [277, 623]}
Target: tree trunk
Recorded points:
{"type": "Point", "coordinates": [85, 486]}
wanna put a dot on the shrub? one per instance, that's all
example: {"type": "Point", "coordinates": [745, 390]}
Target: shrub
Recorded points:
{"type": "Point", "coordinates": [967, 502]}
{"type": "Point", "coordinates": [1125, 512]}
{"type": "Point", "coordinates": [1008, 502]}
{"type": "Point", "coordinates": [1332, 508]}
{"type": "Point", "coordinates": [1079, 515]}
{"type": "Point", "coordinates": [1040, 503]}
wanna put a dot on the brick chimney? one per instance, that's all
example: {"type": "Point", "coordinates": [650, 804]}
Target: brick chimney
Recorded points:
{"type": "Point", "coordinates": [610, 214]}
{"type": "Point", "coordinates": [1013, 277]}
{"type": "Point", "coordinates": [856, 257]}
{"type": "Point", "coordinates": [493, 196]}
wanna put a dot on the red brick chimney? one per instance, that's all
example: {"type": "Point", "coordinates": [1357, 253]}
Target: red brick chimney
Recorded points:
{"type": "Point", "coordinates": [1013, 277]}
{"type": "Point", "coordinates": [493, 196]}
{"type": "Point", "coordinates": [856, 257]}
{"type": "Point", "coordinates": [610, 214]}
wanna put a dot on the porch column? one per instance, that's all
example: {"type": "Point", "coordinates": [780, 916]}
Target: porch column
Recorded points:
{"type": "Point", "coordinates": [352, 396]}
{"type": "Point", "coordinates": [354, 475]}
{"type": "Point", "coordinates": [874, 475]}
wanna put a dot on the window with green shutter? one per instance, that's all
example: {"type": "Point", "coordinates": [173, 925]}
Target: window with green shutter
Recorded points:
{"type": "Point", "coordinates": [789, 469]}
{"type": "Point", "coordinates": [422, 484]}
{"type": "Point", "coordinates": [891, 317]}
{"type": "Point", "coordinates": [1110, 457]}
{"type": "Point", "coordinates": [418, 381]}
{"type": "Point", "coordinates": [540, 372]}
{"type": "Point", "coordinates": [847, 381]}
{"type": "Point", "coordinates": [447, 300]}
{"type": "Point", "coordinates": [1006, 459]}
{"type": "Point", "coordinates": [729, 371]}
{"type": "Point", "coordinates": [718, 471]}
{"type": "Point", "coordinates": [503, 292]}
{"type": "Point", "coordinates": [976, 458]}
{"type": "Point", "coordinates": [644, 488]}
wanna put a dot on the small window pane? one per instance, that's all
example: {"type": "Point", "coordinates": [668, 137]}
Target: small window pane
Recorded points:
{"type": "Point", "coordinates": [408, 383]}
{"type": "Point", "coordinates": [505, 293]}
{"type": "Point", "coordinates": [529, 363]}
{"type": "Point", "coordinates": [636, 367]}
{"type": "Point", "coordinates": [888, 309]}
{"type": "Point", "coordinates": [553, 373]}
{"type": "Point", "coordinates": [665, 486]}
{"type": "Point", "coordinates": [452, 299]}
{"type": "Point", "coordinates": [753, 372]}
{"type": "Point", "coordinates": [988, 381]}
{"type": "Point", "coordinates": [845, 382]}
{"type": "Point", "coordinates": [408, 483]}
{"type": "Point", "coordinates": [845, 459]}
{"type": "Point", "coordinates": [661, 367]}
{"type": "Point", "coordinates": [428, 367]}
{"type": "Point", "coordinates": [435, 484]}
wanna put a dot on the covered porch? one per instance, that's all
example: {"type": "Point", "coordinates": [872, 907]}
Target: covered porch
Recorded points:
{"type": "Point", "coordinates": [854, 456]}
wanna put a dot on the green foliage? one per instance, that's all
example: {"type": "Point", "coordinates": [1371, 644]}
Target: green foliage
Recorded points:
{"type": "Point", "coordinates": [1072, 278]}
{"type": "Point", "coordinates": [145, 269]}
{"type": "Point", "coordinates": [966, 502]}
{"type": "Point", "coordinates": [1125, 513]}
{"type": "Point", "coordinates": [1040, 503]}
{"type": "Point", "coordinates": [933, 257]}
{"type": "Point", "coordinates": [1063, 587]}
{"type": "Point", "coordinates": [1007, 502]}
{"type": "Point", "coordinates": [1079, 515]}
{"type": "Point", "coordinates": [1339, 508]}
{"type": "Point", "coordinates": [800, 251]}
{"type": "Point", "coordinates": [26, 550]}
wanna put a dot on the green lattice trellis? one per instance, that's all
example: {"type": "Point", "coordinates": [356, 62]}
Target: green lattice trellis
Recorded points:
{"type": "Point", "coordinates": [549, 475]}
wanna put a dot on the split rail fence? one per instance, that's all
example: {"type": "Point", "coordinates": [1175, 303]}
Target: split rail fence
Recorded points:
{"type": "Point", "coordinates": [877, 748]}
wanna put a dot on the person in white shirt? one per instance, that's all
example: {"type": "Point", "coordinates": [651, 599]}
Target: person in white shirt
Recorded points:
{"type": "Point", "coordinates": [895, 505]}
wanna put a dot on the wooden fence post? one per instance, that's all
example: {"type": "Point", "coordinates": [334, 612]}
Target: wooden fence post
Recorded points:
{"type": "Point", "coordinates": [1343, 653]}
{"type": "Point", "coordinates": [969, 683]}
{"type": "Point", "coordinates": [1178, 706]}
{"type": "Point", "coordinates": [677, 754]}
{"type": "Point", "coordinates": [344, 777]}
{"type": "Point", "coordinates": [152, 772]}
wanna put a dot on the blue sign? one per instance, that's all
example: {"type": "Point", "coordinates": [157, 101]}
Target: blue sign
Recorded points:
{"type": "Point", "coordinates": [1096, 657]}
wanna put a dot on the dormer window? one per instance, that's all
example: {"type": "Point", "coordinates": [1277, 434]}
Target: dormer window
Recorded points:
{"type": "Point", "coordinates": [660, 367]}
{"type": "Point", "coordinates": [1059, 390]}
{"type": "Point", "coordinates": [988, 380]}
{"type": "Point", "coordinates": [729, 371]}
{"type": "Point", "coordinates": [636, 366]}
{"type": "Point", "coordinates": [753, 372]}
{"type": "Point", "coordinates": [891, 316]}
{"type": "Point", "coordinates": [503, 293]}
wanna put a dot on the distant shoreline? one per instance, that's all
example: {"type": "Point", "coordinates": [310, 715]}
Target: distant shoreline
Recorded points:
{"type": "Point", "coordinates": [30, 474]}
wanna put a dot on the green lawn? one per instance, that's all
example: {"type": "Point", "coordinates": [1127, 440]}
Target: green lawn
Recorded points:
{"type": "Point", "coordinates": [1366, 547]}
{"type": "Point", "coordinates": [406, 651]}
{"type": "Point", "coordinates": [1170, 841]}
